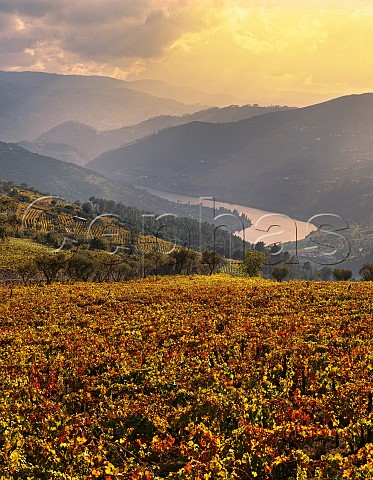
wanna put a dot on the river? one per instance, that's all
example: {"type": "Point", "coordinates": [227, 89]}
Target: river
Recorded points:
{"type": "Point", "coordinates": [269, 227]}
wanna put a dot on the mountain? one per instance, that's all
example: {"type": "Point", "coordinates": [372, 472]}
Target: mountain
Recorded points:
{"type": "Point", "coordinates": [33, 102]}
{"type": "Point", "coordinates": [87, 142]}
{"type": "Point", "coordinates": [183, 94]}
{"type": "Point", "coordinates": [301, 162]}
{"type": "Point", "coordinates": [72, 182]}
{"type": "Point", "coordinates": [69, 181]}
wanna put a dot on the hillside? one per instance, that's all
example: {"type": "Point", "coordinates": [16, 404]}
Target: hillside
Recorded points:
{"type": "Point", "coordinates": [51, 220]}
{"type": "Point", "coordinates": [60, 151]}
{"type": "Point", "coordinates": [301, 162]}
{"type": "Point", "coordinates": [73, 182]}
{"type": "Point", "coordinates": [78, 143]}
{"type": "Point", "coordinates": [59, 178]}
{"type": "Point", "coordinates": [33, 102]}
{"type": "Point", "coordinates": [14, 251]}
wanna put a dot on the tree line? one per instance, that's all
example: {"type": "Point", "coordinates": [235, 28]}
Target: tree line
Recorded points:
{"type": "Point", "coordinates": [98, 266]}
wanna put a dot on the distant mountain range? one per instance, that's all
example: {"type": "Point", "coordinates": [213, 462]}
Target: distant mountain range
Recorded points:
{"type": "Point", "coordinates": [183, 94]}
{"type": "Point", "coordinates": [79, 143]}
{"type": "Point", "coordinates": [33, 102]}
{"type": "Point", "coordinates": [301, 162]}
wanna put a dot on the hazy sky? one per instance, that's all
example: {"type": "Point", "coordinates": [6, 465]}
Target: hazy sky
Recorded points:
{"type": "Point", "coordinates": [289, 51]}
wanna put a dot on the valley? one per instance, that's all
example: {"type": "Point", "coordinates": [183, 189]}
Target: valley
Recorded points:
{"type": "Point", "coordinates": [298, 162]}
{"type": "Point", "coordinates": [289, 230]}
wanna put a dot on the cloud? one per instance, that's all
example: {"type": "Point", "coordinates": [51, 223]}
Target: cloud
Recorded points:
{"type": "Point", "coordinates": [123, 38]}
{"type": "Point", "coordinates": [71, 11]}
{"type": "Point", "coordinates": [222, 45]}
{"type": "Point", "coordinates": [104, 30]}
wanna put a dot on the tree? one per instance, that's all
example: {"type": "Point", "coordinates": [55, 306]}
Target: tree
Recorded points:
{"type": "Point", "coordinates": [156, 263]}
{"type": "Point", "coordinates": [128, 267]}
{"type": "Point", "coordinates": [50, 265]}
{"type": "Point", "coordinates": [103, 266]}
{"type": "Point", "coordinates": [87, 208]}
{"type": "Point", "coordinates": [366, 271]}
{"type": "Point", "coordinates": [260, 247]}
{"type": "Point", "coordinates": [81, 266]}
{"type": "Point", "coordinates": [184, 260]}
{"type": "Point", "coordinates": [27, 270]}
{"type": "Point", "coordinates": [279, 273]}
{"type": "Point", "coordinates": [342, 274]}
{"type": "Point", "coordinates": [325, 273]}
{"type": "Point", "coordinates": [307, 270]}
{"type": "Point", "coordinates": [293, 267]}
{"type": "Point", "coordinates": [212, 260]}
{"type": "Point", "coordinates": [254, 262]}
{"type": "Point", "coordinates": [97, 243]}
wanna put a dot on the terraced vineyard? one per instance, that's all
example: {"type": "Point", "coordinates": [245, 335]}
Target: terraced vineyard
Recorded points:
{"type": "Point", "coordinates": [48, 216]}
{"type": "Point", "coordinates": [187, 378]}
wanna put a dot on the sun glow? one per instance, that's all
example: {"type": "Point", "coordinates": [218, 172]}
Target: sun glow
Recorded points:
{"type": "Point", "coordinates": [294, 52]}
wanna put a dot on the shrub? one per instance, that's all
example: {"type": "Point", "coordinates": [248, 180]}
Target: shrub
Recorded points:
{"type": "Point", "coordinates": [254, 262]}
{"type": "Point", "coordinates": [342, 274]}
{"type": "Point", "coordinates": [279, 273]}
{"type": "Point", "coordinates": [366, 271]}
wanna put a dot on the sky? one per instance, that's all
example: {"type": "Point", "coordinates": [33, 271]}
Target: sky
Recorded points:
{"type": "Point", "coordinates": [294, 52]}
